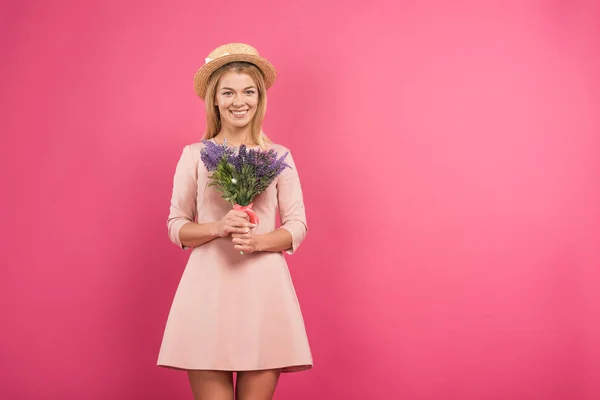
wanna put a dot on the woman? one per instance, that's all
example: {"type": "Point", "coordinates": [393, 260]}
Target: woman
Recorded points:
{"type": "Point", "coordinates": [235, 309]}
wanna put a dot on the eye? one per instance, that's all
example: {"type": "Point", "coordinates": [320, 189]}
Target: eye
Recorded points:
{"type": "Point", "coordinates": [250, 92]}
{"type": "Point", "coordinates": [227, 93]}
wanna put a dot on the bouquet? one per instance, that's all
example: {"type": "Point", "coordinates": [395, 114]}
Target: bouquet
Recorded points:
{"type": "Point", "coordinates": [243, 175]}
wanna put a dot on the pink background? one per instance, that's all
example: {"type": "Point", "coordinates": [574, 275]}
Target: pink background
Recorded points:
{"type": "Point", "coordinates": [449, 157]}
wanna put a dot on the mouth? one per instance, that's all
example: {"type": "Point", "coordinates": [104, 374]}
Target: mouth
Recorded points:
{"type": "Point", "coordinates": [239, 113]}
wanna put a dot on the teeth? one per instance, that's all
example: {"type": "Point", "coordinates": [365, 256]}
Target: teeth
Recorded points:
{"type": "Point", "coordinates": [239, 112]}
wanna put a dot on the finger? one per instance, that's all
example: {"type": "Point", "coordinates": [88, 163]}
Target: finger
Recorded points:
{"type": "Point", "coordinates": [240, 235]}
{"type": "Point", "coordinates": [240, 214]}
{"type": "Point", "coordinates": [239, 230]}
{"type": "Point", "coordinates": [238, 219]}
{"type": "Point", "coordinates": [245, 249]}
{"type": "Point", "coordinates": [239, 227]}
{"type": "Point", "coordinates": [242, 223]}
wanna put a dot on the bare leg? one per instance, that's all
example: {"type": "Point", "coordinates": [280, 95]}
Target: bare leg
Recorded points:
{"type": "Point", "coordinates": [211, 385]}
{"type": "Point", "coordinates": [257, 385]}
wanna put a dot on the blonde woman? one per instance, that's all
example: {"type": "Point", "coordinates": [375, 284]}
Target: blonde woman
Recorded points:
{"type": "Point", "coordinates": [235, 309]}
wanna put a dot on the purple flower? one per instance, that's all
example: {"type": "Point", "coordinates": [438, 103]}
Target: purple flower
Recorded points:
{"type": "Point", "coordinates": [247, 172]}
{"type": "Point", "coordinates": [212, 153]}
{"type": "Point", "coordinates": [240, 158]}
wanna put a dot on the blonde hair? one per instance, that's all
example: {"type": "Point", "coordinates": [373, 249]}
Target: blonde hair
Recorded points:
{"type": "Point", "coordinates": [213, 117]}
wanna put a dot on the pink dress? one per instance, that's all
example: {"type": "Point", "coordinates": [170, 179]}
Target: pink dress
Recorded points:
{"type": "Point", "coordinates": [232, 311]}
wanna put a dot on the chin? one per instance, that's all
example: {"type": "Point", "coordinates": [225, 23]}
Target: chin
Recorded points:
{"type": "Point", "coordinates": [241, 124]}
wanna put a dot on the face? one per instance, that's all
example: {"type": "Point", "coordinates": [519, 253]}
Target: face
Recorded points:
{"type": "Point", "coordinates": [237, 99]}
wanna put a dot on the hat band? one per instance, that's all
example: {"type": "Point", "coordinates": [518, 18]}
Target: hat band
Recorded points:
{"type": "Point", "coordinates": [208, 59]}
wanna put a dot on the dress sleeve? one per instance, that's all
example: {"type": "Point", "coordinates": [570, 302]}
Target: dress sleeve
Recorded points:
{"type": "Point", "coordinates": [183, 198]}
{"type": "Point", "coordinates": [291, 204]}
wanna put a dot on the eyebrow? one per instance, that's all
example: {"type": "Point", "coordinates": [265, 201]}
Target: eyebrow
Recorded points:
{"type": "Point", "coordinates": [249, 87]}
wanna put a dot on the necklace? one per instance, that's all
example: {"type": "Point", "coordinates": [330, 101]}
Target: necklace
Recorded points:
{"type": "Point", "coordinates": [235, 147]}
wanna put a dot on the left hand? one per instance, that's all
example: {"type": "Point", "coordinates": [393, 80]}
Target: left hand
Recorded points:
{"type": "Point", "coordinates": [245, 242]}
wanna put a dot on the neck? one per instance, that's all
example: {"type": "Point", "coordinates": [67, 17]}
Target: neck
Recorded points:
{"type": "Point", "coordinates": [236, 136]}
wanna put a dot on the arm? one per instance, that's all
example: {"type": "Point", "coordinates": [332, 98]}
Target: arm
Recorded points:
{"type": "Point", "coordinates": [278, 240]}
{"type": "Point", "coordinates": [234, 222]}
{"type": "Point", "coordinates": [182, 229]}
{"type": "Point", "coordinates": [193, 234]}
{"type": "Point", "coordinates": [183, 197]}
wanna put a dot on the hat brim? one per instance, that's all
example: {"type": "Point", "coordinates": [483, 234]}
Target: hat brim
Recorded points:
{"type": "Point", "coordinates": [203, 74]}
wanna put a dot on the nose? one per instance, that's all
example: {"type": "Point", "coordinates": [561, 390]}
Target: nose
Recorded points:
{"type": "Point", "coordinates": [237, 100]}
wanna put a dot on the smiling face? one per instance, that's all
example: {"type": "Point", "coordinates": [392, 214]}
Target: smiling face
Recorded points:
{"type": "Point", "coordinates": [236, 86]}
{"type": "Point", "coordinates": [237, 99]}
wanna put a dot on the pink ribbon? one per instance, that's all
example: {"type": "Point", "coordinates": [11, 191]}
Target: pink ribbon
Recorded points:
{"type": "Point", "coordinates": [248, 210]}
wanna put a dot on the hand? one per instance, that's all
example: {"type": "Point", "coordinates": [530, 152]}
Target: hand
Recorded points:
{"type": "Point", "coordinates": [234, 222]}
{"type": "Point", "coordinates": [245, 242]}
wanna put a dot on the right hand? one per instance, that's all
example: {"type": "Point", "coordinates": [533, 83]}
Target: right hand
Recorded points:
{"type": "Point", "coordinates": [234, 222]}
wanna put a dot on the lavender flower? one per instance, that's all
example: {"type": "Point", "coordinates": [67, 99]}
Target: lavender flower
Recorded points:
{"type": "Point", "coordinates": [242, 175]}
{"type": "Point", "coordinates": [211, 154]}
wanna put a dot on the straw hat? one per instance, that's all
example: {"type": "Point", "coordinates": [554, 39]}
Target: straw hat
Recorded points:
{"type": "Point", "coordinates": [229, 53]}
